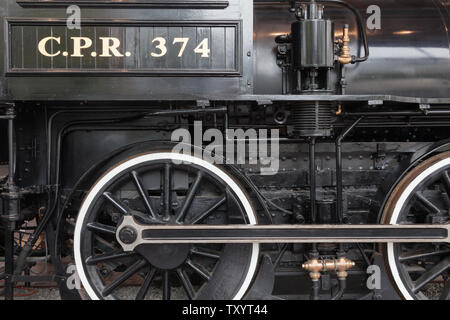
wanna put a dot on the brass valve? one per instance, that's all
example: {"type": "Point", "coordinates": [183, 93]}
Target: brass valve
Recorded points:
{"type": "Point", "coordinates": [314, 266]}
{"type": "Point", "coordinates": [344, 55]}
{"type": "Point", "coordinates": [340, 265]}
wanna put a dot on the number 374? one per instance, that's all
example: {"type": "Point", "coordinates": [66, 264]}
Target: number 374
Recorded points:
{"type": "Point", "coordinates": [161, 46]}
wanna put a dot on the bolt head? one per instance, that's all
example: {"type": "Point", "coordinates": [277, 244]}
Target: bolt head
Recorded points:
{"type": "Point", "coordinates": [128, 235]}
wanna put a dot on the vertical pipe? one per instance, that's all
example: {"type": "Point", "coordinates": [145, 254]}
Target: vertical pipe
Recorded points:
{"type": "Point", "coordinates": [312, 178]}
{"type": "Point", "coordinates": [9, 260]}
{"type": "Point", "coordinates": [312, 195]}
{"type": "Point", "coordinates": [11, 155]}
{"type": "Point", "coordinates": [284, 80]}
{"type": "Point", "coordinates": [339, 209]}
{"type": "Point", "coordinates": [329, 79]}
{"type": "Point", "coordinates": [12, 208]}
{"type": "Point", "coordinates": [315, 290]}
{"type": "Point", "coordinates": [299, 81]}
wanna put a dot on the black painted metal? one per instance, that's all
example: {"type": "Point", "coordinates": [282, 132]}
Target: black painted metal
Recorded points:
{"type": "Point", "coordinates": [11, 197]}
{"type": "Point", "coordinates": [412, 45]}
{"type": "Point", "coordinates": [338, 154]}
{"type": "Point", "coordinates": [221, 34]}
{"type": "Point", "coordinates": [228, 70]}
{"type": "Point", "coordinates": [290, 234]}
{"type": "Point", "coordinates": [425, 45]}
{"type": "Point", "coordinates": [9, 260]}
{"type": "Point", "coordinates": [312, 179]}
{"type": "Point", "coordinates": [405, 83]}
{"type": "Point", "coordinates": [151, 4]}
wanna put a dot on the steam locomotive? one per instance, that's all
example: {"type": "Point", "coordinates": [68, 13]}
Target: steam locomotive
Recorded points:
{"type": "Point", "coordinates": [351, 202]}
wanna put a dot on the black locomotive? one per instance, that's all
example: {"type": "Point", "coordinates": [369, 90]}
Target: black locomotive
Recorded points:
{"type": "Point", "coordinates": [136, 145]}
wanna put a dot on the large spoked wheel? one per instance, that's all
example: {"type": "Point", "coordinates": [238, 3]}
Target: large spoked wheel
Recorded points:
{"type": "Point", "coordinates": [163, 188]}
{"type": "Point", "coordinates": [421, 270]}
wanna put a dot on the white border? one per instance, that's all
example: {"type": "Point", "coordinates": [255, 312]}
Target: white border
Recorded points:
{"type": "Point", "coordinates": [398, 207]}
{"type": "Point", "coordinates": [155, 157]}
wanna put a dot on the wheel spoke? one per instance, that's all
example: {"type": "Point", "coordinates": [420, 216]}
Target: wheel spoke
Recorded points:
{"type": "Point", "coordinates": [190, 196]}
{"type": "Point", "coordinates": [138, 183]}
{"type": "Point", "coordinates": [138, 265]}
{"type": "Point", "coordinates": [187, 285]}
{"type": "Point", "coordinates": [102, 228]}
{"type": "Point", "coordinates": [205, 214]}
{"type": "Point", "coordinates": [166, 285]}
{"type": "Point", "coordinates": [422, 255]}
{"type": "Point", "coordinates": [429, 206]}
{"type": "Point", "coordinates": [116, 203]}
{"type": "Point", "coordinates": [202, 253]}
{"type": "Point", "coordinates": [146, 285]}
{"type": "Point", "coordinates": [199, 269]}
{"type": "Point", "coordinates": [109, 257]}
{"type": "Point", "coordinates": [446, 182]}
{"type": "Point", "coordinates": [167, 181]}
{"type": "Point", "coordinates": [429, 275]}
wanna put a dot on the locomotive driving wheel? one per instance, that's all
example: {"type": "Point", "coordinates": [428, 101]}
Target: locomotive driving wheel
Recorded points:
{"type": "Point", "coordinates": [166, 189]}
{"type": "Point", "coordinates": [421, 270]}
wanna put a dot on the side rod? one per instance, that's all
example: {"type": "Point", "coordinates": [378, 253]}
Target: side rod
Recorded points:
{"type": "Point", "coordinates": [281, 233]}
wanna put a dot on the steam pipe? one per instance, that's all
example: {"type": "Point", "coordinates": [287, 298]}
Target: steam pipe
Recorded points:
{"type": "Point", "coordinates": [361, 29]}
{"type": "Point", "coordinates": [312, 178]}
{"type": "Point", "coordinates": [12, 198]}
{"type": "Point", "coordinates": [315, 290]}
{"type": "Point", "coordinates": [342, 287]}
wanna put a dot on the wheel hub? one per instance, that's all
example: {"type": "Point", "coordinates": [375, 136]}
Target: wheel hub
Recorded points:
{"type": "Point", "coordinates": [128, 235]}
{"type": "Point", "coordinates": [164, 256]}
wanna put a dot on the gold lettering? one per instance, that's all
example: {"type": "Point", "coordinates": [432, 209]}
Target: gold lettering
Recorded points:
{"type": "Point", "coordinates": [43, 43]}
{"type": "Point", "coordinates": [184, 42]}
{"type": "Point", "coordinates": [77, 46]}
{"type": "Point", "coordinates": [161, 46]}
{"type": "Point", "coordinates": [110, 45]}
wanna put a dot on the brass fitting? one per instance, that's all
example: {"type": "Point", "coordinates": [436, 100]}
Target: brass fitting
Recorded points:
{"type": "Point", "coordinates": [340, 265]}
{"type": "Point", "coordinates": [344, 55]}
{"type": "Point", "coordinates": [314, 266]}
{"type": "Point", "coordinates": [339, 110]}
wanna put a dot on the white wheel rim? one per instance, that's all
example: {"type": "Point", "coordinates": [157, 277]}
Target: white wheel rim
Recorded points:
{"type": "Point", "coordinates": [155, 157]}
{"type": "Point", "coordinates": [395, 214]}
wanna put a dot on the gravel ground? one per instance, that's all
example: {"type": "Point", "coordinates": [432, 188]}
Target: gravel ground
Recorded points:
{"type": "Point", "coordinates": [125, 293]}
{"type": "Point", "coordinates": [129, 292]}
{"type": "Point", "coordinates": [37, 294]}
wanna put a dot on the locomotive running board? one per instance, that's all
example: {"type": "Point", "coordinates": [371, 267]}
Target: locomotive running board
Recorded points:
{"type": "Point", "coordinates": [136, 234]}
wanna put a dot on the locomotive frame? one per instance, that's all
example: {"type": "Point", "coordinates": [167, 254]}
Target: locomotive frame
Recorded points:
{"type": "Point", "coordinates": [56, 109]}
